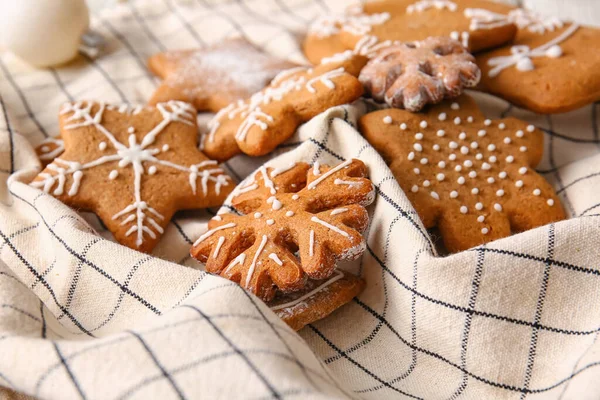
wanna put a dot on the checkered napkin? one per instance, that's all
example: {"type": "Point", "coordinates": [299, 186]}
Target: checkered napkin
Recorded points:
{"type": "Point", "coordinates": [83, 317]}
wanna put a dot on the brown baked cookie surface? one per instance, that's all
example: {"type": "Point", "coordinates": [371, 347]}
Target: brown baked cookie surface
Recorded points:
{"type": "Point", "coordinates": [257, 125]}
{"type": "Point", "coordinates": [410, 20]}
{"type": "Point", "coordinates": [551, 67]}
{"type": "Point", "coordinates": [318, 299]}
{"type": "Point", "coordinates": [315, 212]}
{"type": "Point", "coordinates": [213, 77]}
{"type": "Point", "coordinates": [471, 177]}
{"type": "Point", "coordinates": [133, 166]}
{"type": "Point", "coordinates": [49, 149]}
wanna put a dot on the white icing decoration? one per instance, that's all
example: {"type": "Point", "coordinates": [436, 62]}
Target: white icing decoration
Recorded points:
{"type": "Point", "coordinates": [152, 170]}
{"type": "Point", "coordinates": [238, 260]}
{"type": "Point", "coordinates": [358, 25]}
{"type": "Point", "coordinates": [276, 259]}
{"type": "Point", "coordinates": [311, 246]}
{"type": "Point", "coordinates": [102, 146]}
{"type": "Point", "coordinates": [423, 5]}
{"type": "Point", "coordinates": [281, 170]}
{"type": "Point", "coordinates": [299, 300]}
{"type": "Point", "coordinates": [317, 169]}
{"type": "Point", "coordinates": [270, 222]}
{"type": "Point", "coordinates": [328, 225]}
{"type": "Point", "coordinates": [218, 246]}
{"type": "Point", "coordinates": [435, 195]}
{"type": "Point", "coordinates": [210, 232]}
{"type": "Point", "coordinates": [464, 209]}
{"type": "Point", "coordinates": [326, 175]}
{"type": "Point", "coordinates": [387, 119]}
{"type": "Point", "coordinates": [263, 242]}
{"type": "Point", "coordinates": [257, 215]}
{"type": "Point", "coordinates": [550, 202]}
{"type": "Point", "coordinates": [338, 211]}
{"type": "Point", "coordinates": [113, 174]}
{"type": "Point", "coordinates": [289, 213]}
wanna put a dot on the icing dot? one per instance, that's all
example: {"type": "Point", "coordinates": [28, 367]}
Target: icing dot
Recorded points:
{"type": "Point", "coordinates": [502, 125]}
{"type": "Point", "coordinates": [553, 51]}
{"type": "Point", "coordinates": [452, 157]}
{"type": "Point", "coordinates": [481, 133]}
{"type": "Point", "coordinates": [436, 147]}
{"type": "Point", "coordinates": [165, 147]}
{"type": "Point", "coordinates": [423, 124]}
{"type": "Point", "coordinates": [492, 159]}
{"type": "Point", "coordinates": [131, 129]}
{"type": "Point", "coordinates": [479, 206]}
{"type": "Point", "coordinates": [481, 218]}
{"type": "Point", "coordinates": [510, 159]}
{"type": "Point", "coordinates": [550, 202]}
{"type": "Point", "coordinates": [419, 136]}
{"type": "Point", "coordinates": [440, 177]}
{"type": "Point", "coordinates": [415, 189]}
{"type": "Point", "coordinates": [387, 120]}
{"type": "Point", "coordinates": [453, 194]}
{"type": "Point", "coordinates": [525, 64]}
{"type": "Point", "coordinates": [152, 170]}
{"type": "Point", "coordinates": [442, 164]}
{"type": "Point", "coordinates": [487, 122]}
{"type": "Point", "coordinates": [426, 183]}
{"type": "Point", "coordinates": [530, 128]}
{"type": "Point", "coordinates": [270, 222]}
{"type": "Point", "coordinates": [523, 149]}
{"type": "Point", "coordinates": [500, 193]}
{"type": "Point", "coordinates": [435, 195]}
{"type": "Point", "coordinates": [464, 209]}
{"type": "Point", "coordinates": [472, 174]}
{"type": "Point", "coordinates": [113, 174]}
{"type": "Point", "coordinates": [289, 213]}
{"type": "Point", "coordinates": [523, 170]}
{"type": "Point", "coordinates": [497, 207]}
{"type": "Point", "coordinates": [485, 231]}
{"type": "Point", "coordinates": [455, 106]}
{"type": "Point", "coordinates": [424, 161]}
{"type": "Point", "coordinates": [102, 145]}
{"type": "Point", "coordinates": [411, 156]}
{"type": "Point", "coordinates": [441, 133]}
{"type": "Point", "coordinates": [519, 183]}
{"type": "Point", "coordinates": [453, 145]}
{"type": "Point", "coordinates": [502, 175]}
{"type": "Point", "coordinates": [537, 192]}
{"type": "Point", "coordinates": [461, 180]}
{"type": "Point", "coordinates": [485, 166]}
{"type": "Point", "coordinates": [457, 121]}
{"type": "Point", "coordinates": [257, 215]}
{"type": "Point", "coordinates": [519, 133]}
{"type": "Point", "coordinates": [474, 145]}
{"type": "Point", "coordinates": [491, 180]}
{"type": "Point", "coordinates": [462, 136]}
{"type": "Point", "coordinates": [479, 156]}
{"type": "Point", "coordinates": [417, 171]}
{"type": "Point", "coordinates": [491, 147]}
{"type": "Point", "coordinates": [468, 163]}
{"type": "Point", "coordinates": [418, 147]}
{"type": "Point", "coordinates": [403, 126]}
{"type": "Point", "coordinates": [442, 116]}
{"type": "Point", "coordinates": [469, 119]}
{"type": "Point", "coordinates": [458, 168]}
{"type": "Point", "coordinates": [507, 140]}
{"type": "Point", "coordinates": [474, 191]}
{"type": "Point", "coordinates": [464, 150]}
{"type": "Point", "coordinates": [295, 197]}
{"type": "Point", "coordinates": [45, 149]}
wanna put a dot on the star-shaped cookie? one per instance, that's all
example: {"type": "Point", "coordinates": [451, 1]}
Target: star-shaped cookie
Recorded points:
{"type": "Point", "coordinates": [133, 166]}
{"type": "Point", "coordinates": [471, 177]}
{"type": "Point", "coordinates": [386, 21]}
{"type": "Point", "coordinates": [213, 77]}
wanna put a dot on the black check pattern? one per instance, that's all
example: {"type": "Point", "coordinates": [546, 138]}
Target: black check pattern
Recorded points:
{"type": "Point", "coordinates": [84, 318]}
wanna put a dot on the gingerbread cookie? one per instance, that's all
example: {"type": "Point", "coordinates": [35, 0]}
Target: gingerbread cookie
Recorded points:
{"type": "Point", "coordinates": [316, 212]}
{"type": "Point", "coordinates": [213, 77]}
{"type": "Point", "coordinates": [49, 149]}
{"type": "Point", "coordinates": [259, 124]}
{"type": "Point", "coordinates": [551, 67]}
{"type": "Point", "coordinates": [133, 166]}
{"type": "Point", "coordinates": [471, 177]}
{"type": "Point", "coordinates": [410, 75]}
{"type": "Point", "coordinates": [317, 300]}
{"type": "Point", "coordinates": [409, 21]}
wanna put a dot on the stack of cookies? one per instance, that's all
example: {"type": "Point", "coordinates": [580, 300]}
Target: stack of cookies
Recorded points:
{"type": "Point", "coordinates": [287, 227]}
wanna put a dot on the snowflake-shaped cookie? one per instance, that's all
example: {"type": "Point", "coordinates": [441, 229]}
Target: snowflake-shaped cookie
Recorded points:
{"type": "Point", "coordinates": [471, 177]}
{"type": "Point", "coordinates": [133, 166]}
{"type": "Point", "coordinates": [213, 77]}
{"type": "Point", "coordinates": [259, 124]}
{"type": "Point", "coordinates": [411, 75]}
{"type": "Point", "coordinates": [315, 212]}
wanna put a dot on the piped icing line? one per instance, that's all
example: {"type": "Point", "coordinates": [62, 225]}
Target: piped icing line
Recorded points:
{"type": "Point", "coordinates": [338, 211]}
{"type": "Point", "coordinates": [262, 245]}
{"type": "Point", "coordinates": [521, 55]}
{"type": "Point", "coordinates": [316, 168]}
{"type": "Point", "coordinates": [218, 246]}
{"type": "Point", "coordinates": [211, 232]}
{"type": "Point", "coordinates": [311, 247]}
{"type": "Point", "coordinates": [330, 226]}
{"type": "Point", "coordinates": [276, 259]}
{"type": "Point", "coordinates": [327, 174]}
{"type": "Point", "coordinates": [357, 24]}
{"type": "Point", "coordinates": [278, 171]}
{"type": "Point", "coordinates": [48, 154]}
{"type": "Point", "coordinates": [347, 183]}
{"type": "Point", "coordinates": [238, 260]}
{"type": "Point", "coordinates": [339, 275]}
{"type": "Point", "coordinates": [423, 5]}
{"type": "Point", "coordinates": [485, 19]}
{"type": "Point", "coordinates": [268, 182]}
